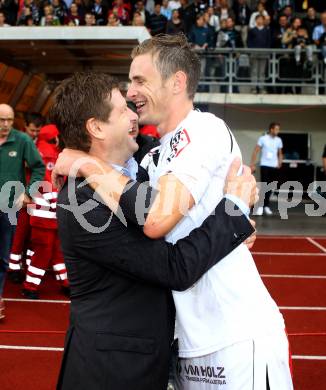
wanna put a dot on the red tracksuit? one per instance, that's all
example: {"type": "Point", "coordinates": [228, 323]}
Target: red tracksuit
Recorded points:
{"type": "Point", "coordinates": [44, 229]}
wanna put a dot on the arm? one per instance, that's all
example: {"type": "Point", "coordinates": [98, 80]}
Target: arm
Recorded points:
{"type": "Point", "coordinates": [254, 158]}
{"type": "Point", "coordinates": [280, 157]}
{"type": "Point", "coordinates": [129, 252]}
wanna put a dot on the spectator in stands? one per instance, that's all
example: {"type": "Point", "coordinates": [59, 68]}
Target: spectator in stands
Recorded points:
{"type": "Point", "coordinates": [138, 20]}
{"type": "Point", "coordinates": [122, 11]}
{"type": "Point", "coordinates": [213, 20]}
{"type": "Point", "coordinates": [17, 149]}
{"type": "Point", "coordinates": [113, 20]}
{"type": "Point", "coordinates": [174, 4]}
{"type": "Point", "coordinates": [165, 10]}
{"type": "Point", "coordinates": [319, 36]}
{"type": "Point", "coordinates": [310, 21]}
{"type": "Point", "coordinates": [187, 13]}
{"type": "Point", "coordinates": [49, 19]}
{"type": "Point", "coordinates": [279, 31]}
{"type": "Point", "coordinates": [139, 7]}
{"type": "Point", "coordinates": [29, 8]}
{"type": "Point", "coordinates": [100, 10]}
{"type": "Point", "coordinates": [259, 38]}
{"type": "Point", "coordinates": [228, 36]}
{"type": "Point", "coordinates": [271, 157]}
{"type": "Point", "coordinates": [3, 20]}
{"type": "Point", "coordinates": [224, 11]}
{"type": "Point", "coordinates": [201, 35]}
{"type": "Point", "coordinates": [73, 15]}
{"type": "Point", "coordinates": [260, 11]}
{"type": "Point", "coordinates": [60, 10]}
{"type": "Point", "coordinates": [9, 8]}
{"type": "Point", "coordinates": [288, 12]}
{"type": "Point", "coordinates": [242, 14]}
{"type": "Point", "coordinates": [280, 5]}
{"type": "Point", "coordinates": [90, 19]}
{"type": "Point", "coordinates": [157, 21]}
{"type": "Point", "coordinates": [302, 42]}
{"type": "Point", "coordinates": [291, 33]}
{"type": "Point", "coordinates": [175, 25]}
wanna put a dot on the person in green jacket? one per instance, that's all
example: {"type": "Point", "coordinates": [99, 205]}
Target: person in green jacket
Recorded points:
{"type": "Point", "coordinates": [17, 151]}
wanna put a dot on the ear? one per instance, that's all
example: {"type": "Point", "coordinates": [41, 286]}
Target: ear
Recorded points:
{"type": "Point", "coordinates": [94, 128]}
{"type": "Point", "coordinates": [179, 82]}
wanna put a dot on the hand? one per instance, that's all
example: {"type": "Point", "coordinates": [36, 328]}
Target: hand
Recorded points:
{"type": "Point", "coordinates": [253, 168]}
{"type": "Point", "coordinates": [243, 186]}
{"type": "Point", "coordinates": [67, 160]}
{"type": "Point", "coordinates": [251, 240]}
{"type": "Point", "coordinates": [22, 201]}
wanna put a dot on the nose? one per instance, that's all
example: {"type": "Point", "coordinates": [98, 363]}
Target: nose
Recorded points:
{"type": "Point", "coordinates": [131, 93]}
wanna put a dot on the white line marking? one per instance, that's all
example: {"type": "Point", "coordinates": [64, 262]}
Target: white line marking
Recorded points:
{"type": "Point", "coordinates": [317, 308]}
{"type": "Point", "coordinates": [293, 276]}
{"type": "Point", "coordinates": [287, 254]}
{"type": "Point", "coordinates": [305, 357]}
{"type": "Point", "coordinates": [34, 300]}
{"type": "Point", "coordinates": [319, 246]}
{"type": "Point", "coordinates": [28, 348]}
{"type": "Point", "coordinates": [273, 237]}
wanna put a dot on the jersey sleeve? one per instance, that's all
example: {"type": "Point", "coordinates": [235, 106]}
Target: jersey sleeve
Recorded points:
{"type": "Point", "coordinates": [280, 143]}
{"type": "Point", "coordinates": [196, 153]}
{"type": "Point", "coordinates": [260, 141]}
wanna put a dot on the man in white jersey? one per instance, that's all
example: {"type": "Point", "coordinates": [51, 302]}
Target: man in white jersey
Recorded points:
{"type": "Point", "coordinates": [231, 333]}
{"type": "Point", "coordinates": [270, 147]}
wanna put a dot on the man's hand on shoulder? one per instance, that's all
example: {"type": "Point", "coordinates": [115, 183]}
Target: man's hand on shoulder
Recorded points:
{"type": "Point", "coordinates": [242, 186]}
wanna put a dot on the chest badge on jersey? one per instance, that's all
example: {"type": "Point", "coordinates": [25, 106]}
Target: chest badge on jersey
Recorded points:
{"type": "Point", "coordinates": [12, 153]}
{"type": "Point", "coordinates": [178, 143]}
{"type": "Point", "coordinates": [50, 166]}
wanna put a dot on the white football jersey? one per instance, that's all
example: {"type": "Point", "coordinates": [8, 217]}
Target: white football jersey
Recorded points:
{"type": "Point", "coordinates": [230, 302]}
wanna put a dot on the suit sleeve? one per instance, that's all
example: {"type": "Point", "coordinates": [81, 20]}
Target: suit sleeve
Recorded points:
{"type": "Point", "coordinates": [129, 252]}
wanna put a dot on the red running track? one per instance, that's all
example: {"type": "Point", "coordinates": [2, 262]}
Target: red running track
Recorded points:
{"type": "Point", "coordinates": [293, 269]}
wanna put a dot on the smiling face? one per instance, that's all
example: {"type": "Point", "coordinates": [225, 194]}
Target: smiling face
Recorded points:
{"type": "Point", "coordinates": [148, 91]}
{"type": "Point", "coordinates": [117, 137]}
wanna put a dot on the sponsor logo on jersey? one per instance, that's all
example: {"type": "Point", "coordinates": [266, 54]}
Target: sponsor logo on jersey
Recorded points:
{"type": "Point", "coordinates": [12, 153]}
{"type": "Point", "coordinates": [178, 143]}
{"type": "Point", "coordinates": [206, 374]}
{"type": "Point", "coordinates": [50, 166]}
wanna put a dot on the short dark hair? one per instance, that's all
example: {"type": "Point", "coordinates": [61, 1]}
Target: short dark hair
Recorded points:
{"type": "Point", "coordinates": [272, 125]}
{"type": "Point", "coordinates": [34, 117]}
{"type": "Point", "coordinates": [172, 53]}
{"type": "Point", "coordinates": [77, 99]}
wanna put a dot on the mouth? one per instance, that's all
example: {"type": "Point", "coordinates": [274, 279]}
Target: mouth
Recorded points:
{"type": "Point", "coordinates": [139, 105]}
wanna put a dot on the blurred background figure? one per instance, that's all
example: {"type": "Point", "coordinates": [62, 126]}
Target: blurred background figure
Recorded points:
{"type": "Point", "coordinates": [271, 156]}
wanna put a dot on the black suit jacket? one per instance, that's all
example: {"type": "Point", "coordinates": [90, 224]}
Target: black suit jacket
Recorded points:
{"type": "Point", "coordinates": [122, 312]}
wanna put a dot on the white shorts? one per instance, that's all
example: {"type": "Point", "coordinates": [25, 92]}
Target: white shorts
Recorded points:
{"type": "Point", "coordinates": [242, 366]}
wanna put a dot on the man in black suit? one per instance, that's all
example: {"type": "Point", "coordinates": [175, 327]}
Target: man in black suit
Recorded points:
{"type": "Point", "coordinates": [122, 313]}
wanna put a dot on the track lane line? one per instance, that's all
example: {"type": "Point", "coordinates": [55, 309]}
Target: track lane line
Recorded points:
{"type": "Point", "coordinates": [293, 276]}
{"type": "Point", "coordinates": [317, 308]}
{"type": "Point", "coordinates": [319, 246]}
{"type": "Point", "coordinates": [29, 348]}
{"type": "Point", "coordinates": [35, 300]}
{"type": "Point", "coordinates": [307, 357]}
{"type": "Point", "coordinates": [288, 254]}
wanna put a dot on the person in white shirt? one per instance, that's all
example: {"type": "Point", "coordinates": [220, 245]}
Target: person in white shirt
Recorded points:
{"type": "Point", "coordinates": [271, 156]}
{"type": "Point", "coordinates": [230, 331]}
{"type": "Point", "coordinates": [227, 319]}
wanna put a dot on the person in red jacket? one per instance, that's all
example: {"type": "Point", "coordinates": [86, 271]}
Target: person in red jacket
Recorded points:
{"type": "Point", "coordinates": [20, 251]}
{"type": "Point", "coordinates": [44, 235]}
